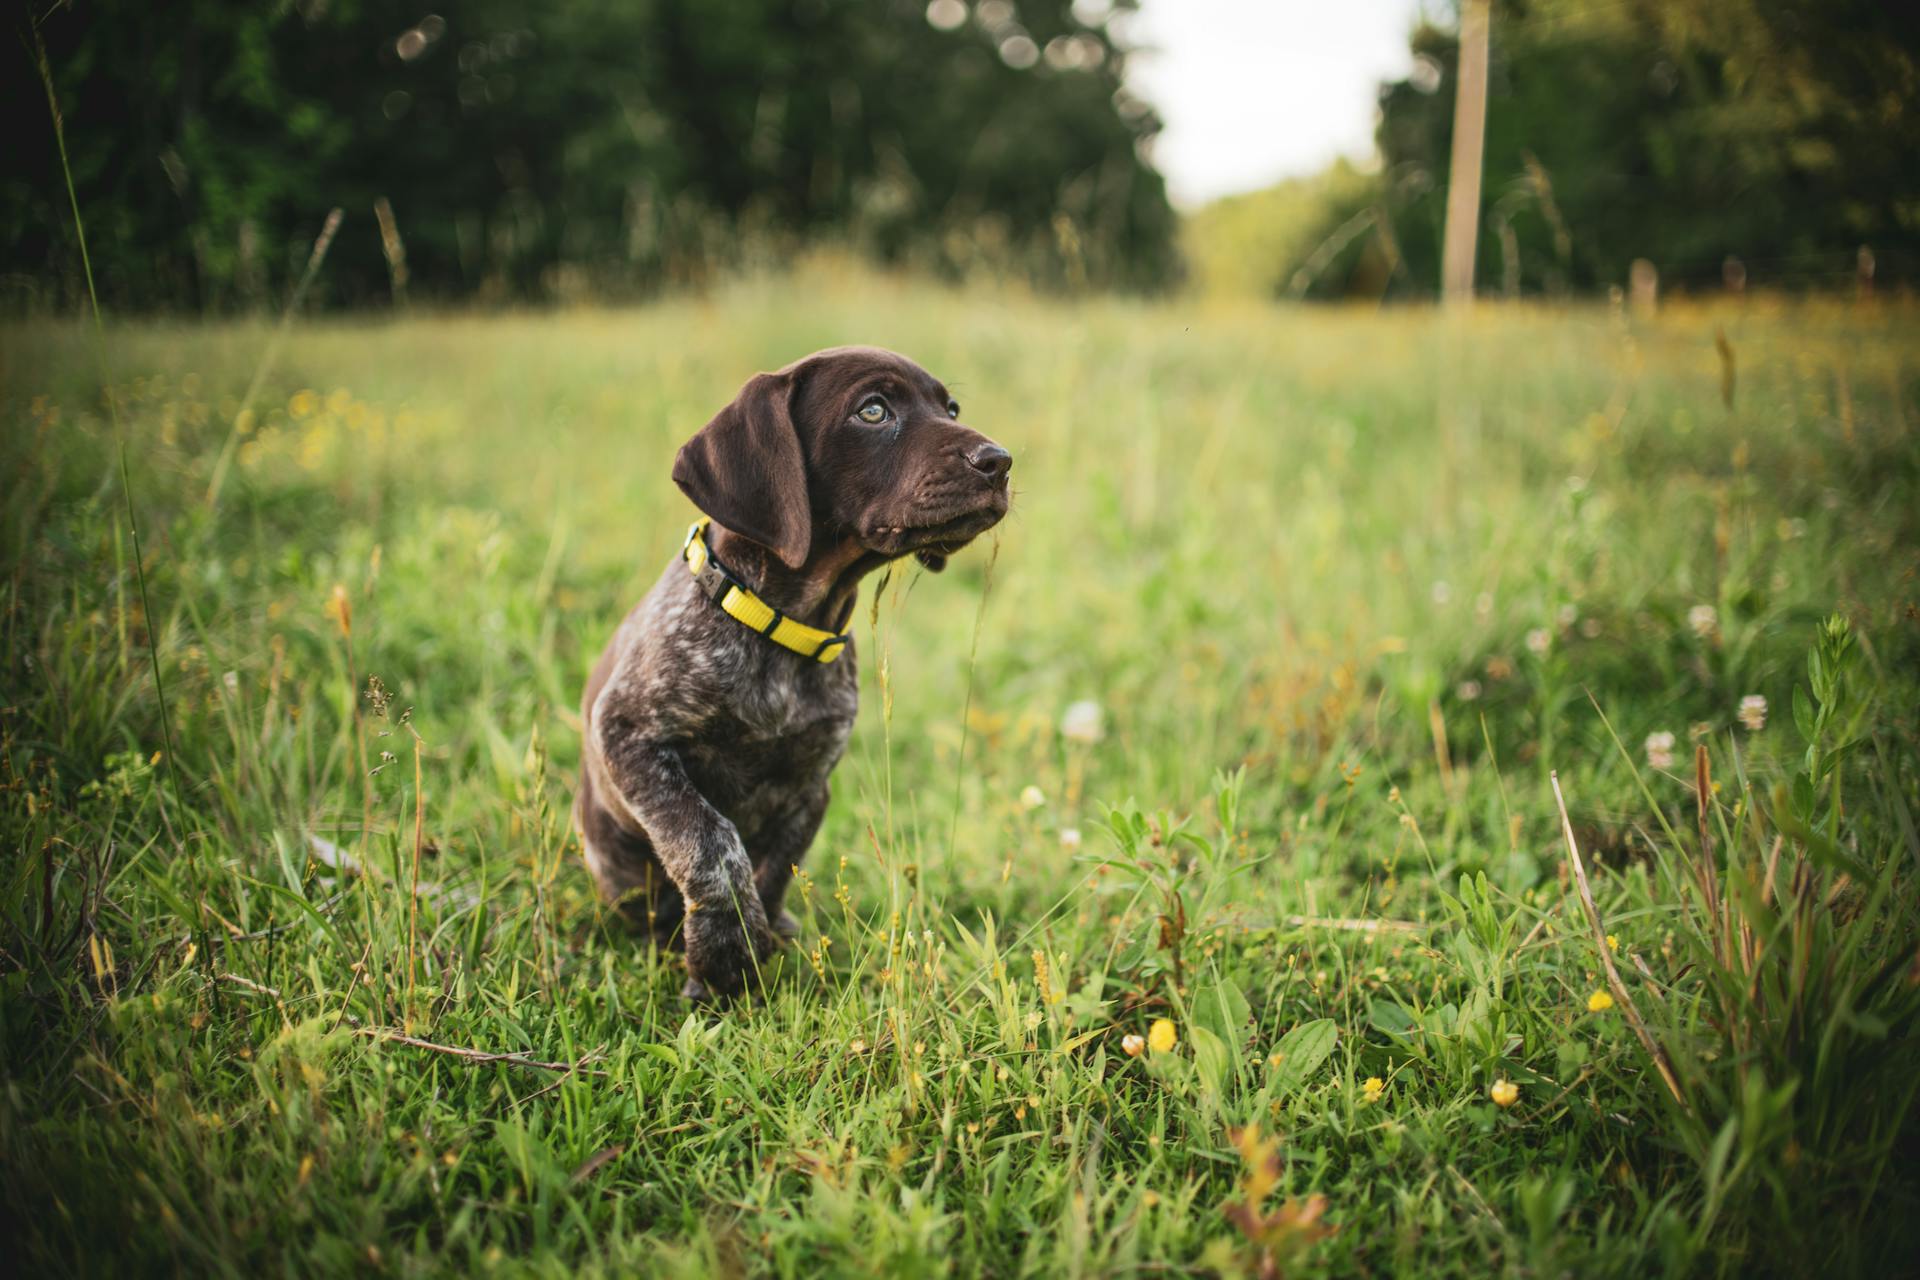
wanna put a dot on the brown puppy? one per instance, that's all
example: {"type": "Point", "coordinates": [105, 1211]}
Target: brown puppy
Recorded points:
{"type": "Point", "coordinates": [724, 700]}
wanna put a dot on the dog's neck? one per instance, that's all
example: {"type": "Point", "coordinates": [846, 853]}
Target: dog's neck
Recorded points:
{"type": "Point", "coordinates": [820, 593]}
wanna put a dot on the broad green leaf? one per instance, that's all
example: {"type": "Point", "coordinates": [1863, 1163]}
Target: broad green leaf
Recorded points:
{"type": "Point", "coordinates": [1302, 1052]}
{"type": "Point", "coordinates": [1211, 1057]}
{"type": "Point", "coordinates": [1223, 1010]}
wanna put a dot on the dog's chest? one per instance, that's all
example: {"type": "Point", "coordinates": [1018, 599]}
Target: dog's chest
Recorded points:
{"type": "Point", "coordinates": [784, 728]}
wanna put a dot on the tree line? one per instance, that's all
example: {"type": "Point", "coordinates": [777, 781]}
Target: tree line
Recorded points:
{"type": "Point", "coordinates": [522, 151]}
{"type": "Point", "coordinates": [502, 150]}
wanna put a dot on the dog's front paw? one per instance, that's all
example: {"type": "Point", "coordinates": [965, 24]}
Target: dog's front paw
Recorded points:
{"type": "Point", "coordinates": [724, 955]}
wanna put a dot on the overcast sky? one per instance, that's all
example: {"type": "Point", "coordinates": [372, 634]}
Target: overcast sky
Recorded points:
{"type": "Point", "coordinates": [1253, 91]}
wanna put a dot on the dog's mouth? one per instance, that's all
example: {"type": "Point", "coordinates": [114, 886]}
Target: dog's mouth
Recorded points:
{"type": "Point", "coordinates": [932, 541]}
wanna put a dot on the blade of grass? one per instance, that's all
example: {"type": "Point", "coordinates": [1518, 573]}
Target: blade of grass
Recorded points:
{"type": "Point", "coordinates": [1620, 992]}
{"type": "Point", "coordinates": [126, 485]}
{"type": "Point", "coordinates": [271, 356]}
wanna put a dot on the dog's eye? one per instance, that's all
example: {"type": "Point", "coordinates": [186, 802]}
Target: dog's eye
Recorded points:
{"type": "Point", "coordinates": [873, 412]}
{"type": "Point", "coordinates": [953, 408]}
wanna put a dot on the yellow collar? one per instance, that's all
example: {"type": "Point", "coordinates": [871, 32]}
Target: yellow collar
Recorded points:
{"type": "Point", "coordinates": [748, 609]}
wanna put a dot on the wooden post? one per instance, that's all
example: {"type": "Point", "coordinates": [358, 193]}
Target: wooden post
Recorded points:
{"type": "Point", "coordinates": [1469, 142]}
{"type": "Point", "coordinates": [1643, 287]}
{"type": "Point", "coordinates": [394, 248]}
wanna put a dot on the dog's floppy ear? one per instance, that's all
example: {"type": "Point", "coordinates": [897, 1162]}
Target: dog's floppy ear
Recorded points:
{"type": "Point", "coordinates": [745, 469]}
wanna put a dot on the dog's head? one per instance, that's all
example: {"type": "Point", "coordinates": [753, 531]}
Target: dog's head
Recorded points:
{"type": "Point", "coordinates": [850, 444]}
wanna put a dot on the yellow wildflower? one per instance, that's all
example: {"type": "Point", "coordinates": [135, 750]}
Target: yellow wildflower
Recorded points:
{"type": "Point", "coordinates": [1372, 1088]}
{"type": "Point", "coordinates": [1599, 1002]}
{"type": "Point", "coordinates": [1613, 942]}
{"type": "Point", "coordinates": [1504, 1093]}
{"type": "Point", "coordinates": [1161, 1036]}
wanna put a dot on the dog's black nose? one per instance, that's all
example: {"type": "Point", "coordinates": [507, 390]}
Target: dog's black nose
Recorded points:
{"type": "Point", "coordinates": [991, 461]}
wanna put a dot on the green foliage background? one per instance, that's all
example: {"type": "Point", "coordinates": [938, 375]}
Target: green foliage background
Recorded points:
{"type": "Point", "coordinates": [534, 151]}
{"type": "Point", "coordinates": [1680, 131]}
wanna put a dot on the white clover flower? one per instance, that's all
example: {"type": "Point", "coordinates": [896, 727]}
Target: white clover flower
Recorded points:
{"type": "Point", "coordinates": [1468, 690]}
{"type": "Point", "coordinates": [1660, 750]}
{"type": "Point", "coordinates": [1032, 797]}
{"type": "Point", "coordinates": [1539, 640]}
{"type": "Point", "coordinates": [1566, 616]}
{"type": "Point", "coordinates": [1753, 712]}
{"type": "Point", "coordinates": [1081, 722]}
{"type": "Point", "coordinates": [1704, 620]}
{"type": "Point", "coordinates": [1070, 839]}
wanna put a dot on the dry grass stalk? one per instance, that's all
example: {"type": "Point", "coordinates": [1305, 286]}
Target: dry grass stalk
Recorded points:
{"type": "Point", "coordinates": [413, 896]}
{"type": "Point", "coordinates": [1619, 988]}
{"type": "Point", "coordinates": [241, 417]}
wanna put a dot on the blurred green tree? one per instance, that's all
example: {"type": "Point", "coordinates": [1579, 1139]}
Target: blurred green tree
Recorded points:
{"type": "Point", "coordinates": [603, 146]}
{"type": "Point", "coordinates": [1688, 132]}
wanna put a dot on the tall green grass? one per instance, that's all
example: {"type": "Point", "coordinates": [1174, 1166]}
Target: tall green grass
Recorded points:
{"type": "Point", "coordinates": [1342, 587]}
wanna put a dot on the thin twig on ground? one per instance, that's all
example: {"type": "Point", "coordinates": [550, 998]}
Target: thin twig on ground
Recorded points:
{"type": "Point", "coordinates": [479, 1056]}
{"type": "Point", "coordinates": [1352, 925]}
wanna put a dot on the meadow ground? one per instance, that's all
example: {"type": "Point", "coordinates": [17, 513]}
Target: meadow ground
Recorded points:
{"type": "Point", "coordinates": [1244, 721]}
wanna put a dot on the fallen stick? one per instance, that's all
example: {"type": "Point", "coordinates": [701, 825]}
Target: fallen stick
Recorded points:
{"type": "Point", "coordinates": [1620, 994]}
{"type": "Point", "coordinates": [477, 1056]}
{"type": "Point", "coordinates": [1353, 925]}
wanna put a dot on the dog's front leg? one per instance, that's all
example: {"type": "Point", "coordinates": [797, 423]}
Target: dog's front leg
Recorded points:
{"type": "Point", "coordinates": [726, 926]}
{"type": "Point", "coordinates": [777, 854]}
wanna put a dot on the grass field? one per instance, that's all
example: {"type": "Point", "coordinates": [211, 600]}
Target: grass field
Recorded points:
{"type": "Point", "coordinates": [1243, 722]}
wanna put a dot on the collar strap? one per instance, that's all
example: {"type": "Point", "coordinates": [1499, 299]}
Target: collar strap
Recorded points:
{"type": "Point", "coordinates": [749, 610]}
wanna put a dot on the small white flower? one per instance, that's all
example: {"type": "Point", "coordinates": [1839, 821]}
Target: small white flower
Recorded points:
{"type": "Point", "coordinates": [1070, 839]}
{"type": "Point", "coordinates": [1753, 712]}
{"type": "Point", "coordinates": [1567, 616]}
{"type": "Point", "coordinates": [1468, 690]}
{"type": "Point", "coordinates": [1442, 593]}
{"type": "Point", "coordinates": [1660, 750]}
{"type": "Point", "coordinates": [1539, 640]}
{"type": "Point", "coordinates": [1032, 798]}
{"type": "Point", "coordinates": [1081, 722]}
{"type": "Point", "coordinates": [1704, 620]}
